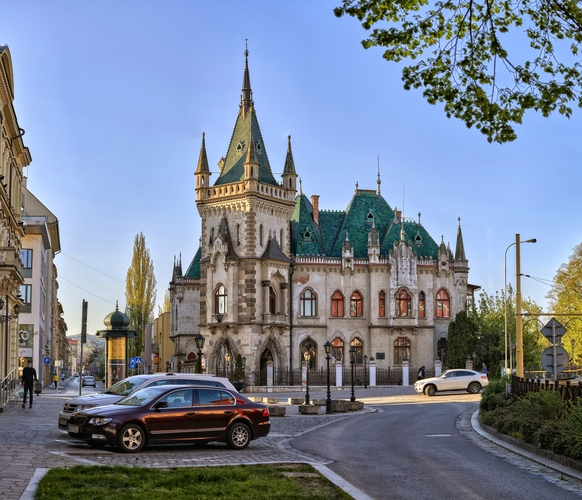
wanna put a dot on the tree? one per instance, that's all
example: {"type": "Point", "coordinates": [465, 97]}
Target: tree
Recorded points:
{"type": "Point", "coordinates": [462, 55]}
{"type": "Point", "coordinates": [140, 292]}
{"type": "Point", "coordinates": [566, 297]}
{"type": "Point", "coordinates": [461, 339]}
{"type": "Point", "coordinates": [165, 307]}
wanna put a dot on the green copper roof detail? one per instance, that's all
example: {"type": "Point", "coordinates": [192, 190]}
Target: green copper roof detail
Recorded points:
{"type": "Point", "coordinates": [414, 235]}
{"type": "Point", "coordinates": [193, 271]}
{"type": "Point", "coordinates": [305, 234]}
{"type": "Point", "coordinates": [366, 208]}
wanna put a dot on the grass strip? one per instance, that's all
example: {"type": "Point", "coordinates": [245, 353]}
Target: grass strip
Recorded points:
{"type": "Point", "coordinates": [257, 482]}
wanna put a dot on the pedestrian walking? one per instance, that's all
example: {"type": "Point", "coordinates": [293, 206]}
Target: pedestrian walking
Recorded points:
{"type": "Point", "coordinates": [56, 380]}
{"type": "Point", "coordinates": [28, 378]}
{"type": "Point", "coordinates": [484, 369]}
{"type": "Point", "coordinates": [420, 375]}
{"type": "Point", "coordinates": [63, 376]}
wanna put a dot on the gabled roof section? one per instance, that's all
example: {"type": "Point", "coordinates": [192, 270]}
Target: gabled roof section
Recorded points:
{"type": "Point", "coordinates": [246, 130]}
{"type": "Point", "coordinates": [274, 252]}
{"type": "Point", "coordinates": [366, 208]}
{"type": "Point", "coordinates": [193, 271]}
{"type": "Point", "coordinates": [414, 234]}
{"type": "Point", "coordinates": [305, 233]}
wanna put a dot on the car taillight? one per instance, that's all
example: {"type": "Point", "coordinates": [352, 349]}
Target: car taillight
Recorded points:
{"type": "Point", "coordinates": [266, 413]}
{"type": "Point", "coordinates": [484, 377]}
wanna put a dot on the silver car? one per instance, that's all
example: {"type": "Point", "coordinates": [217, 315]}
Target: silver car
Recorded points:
{"type": "Point", "coordinates": [453, 380]}
{"type": "Point", "coordinates": [131, 384]}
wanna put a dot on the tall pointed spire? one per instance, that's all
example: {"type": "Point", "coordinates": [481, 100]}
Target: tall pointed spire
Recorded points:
{"type": "Point", "coordinates": [202, 159]}
{"type": "Point", "coordinates": [379, 181]}
{"type": "Point", "coordinates": [247, 93]}
{"type": "Point", "coordinates": [289, 163]}
{"type": "Point", "coordinates": [460, 248]}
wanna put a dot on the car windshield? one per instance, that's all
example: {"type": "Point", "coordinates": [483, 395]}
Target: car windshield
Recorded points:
{"type": "Point", "coordinates": [125, 386]}
{"type": "Point", "coordinates": [142, 397]}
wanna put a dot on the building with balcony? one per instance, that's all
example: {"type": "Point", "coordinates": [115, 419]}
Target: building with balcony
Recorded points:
{"type": "Point", "coordinates": [14, 157]}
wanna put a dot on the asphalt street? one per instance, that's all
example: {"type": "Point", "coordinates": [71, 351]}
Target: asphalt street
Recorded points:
{"type": "Point", "coordinates": [31, 441]}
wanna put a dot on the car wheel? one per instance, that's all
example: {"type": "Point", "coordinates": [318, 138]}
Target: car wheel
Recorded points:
{"type": "Point", "coordinates": [474, 388]}
{"type": "Point", "coordinates": [430, 390]}
{"type": "Point", "coordinates": [131, 438]}
{"type": "Point", "coordinates": [239, 436]}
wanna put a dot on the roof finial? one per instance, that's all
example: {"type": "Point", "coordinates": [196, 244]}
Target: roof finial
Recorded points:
{"type": "Point", "coordinates": [379, 181]}
{"type": "Point", "coordinates": [419, 218]}
{"type": "Point", "coordinates": [116, 305]}
{"type": "Point", "coordinates": [247, 93]}
{"type": "Point", "coordinates": [300, 186]}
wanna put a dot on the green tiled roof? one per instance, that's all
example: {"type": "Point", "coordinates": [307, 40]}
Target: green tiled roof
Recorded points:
{"type": "Point", "coordinates": [365, 209]}
{"type": "Point", "coordinates": [414, 234]}
{"type": "Point", "coordinates": [305, 235]}
{"type": "Point", "coordinates": [233, 170]}
{"type": "Point", "coordinates": [193, 271]}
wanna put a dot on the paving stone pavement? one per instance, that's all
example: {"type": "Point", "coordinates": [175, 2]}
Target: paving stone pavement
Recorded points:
{"type": "Point", "coordinates": [30, 440]}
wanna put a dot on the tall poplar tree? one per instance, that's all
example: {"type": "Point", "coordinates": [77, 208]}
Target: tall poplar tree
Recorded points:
{"type": "Point", "coordinates": [140, 292]}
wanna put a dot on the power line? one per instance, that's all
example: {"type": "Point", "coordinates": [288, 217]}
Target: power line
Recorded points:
{"type": "Point", "coordinates": [90, 267]}
{"type": "Point", "coordinates": [86, 291]}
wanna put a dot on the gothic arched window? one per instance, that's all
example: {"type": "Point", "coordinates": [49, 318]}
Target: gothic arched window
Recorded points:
{"type": "Point", "coordinates": [401, 350]}
{"type": "Point", "coordinates": [421, 305]}
{"type": "Point", "coordinates": [356, 303]}
{"type": "Point", "coordinates": [337, 304]}
{"type": "Point", "coordinates": [443, 304]}
{"type": "Point", "coordinates": [272, 300]}
{"type": "Point", "coordinates": [382, 304]}
{"type": "Point", "coordinates": [307, 304]}
{"type": "Point", "coordinates": [403, 304]}
{"type": "Point", "coordinates": [220, 300]}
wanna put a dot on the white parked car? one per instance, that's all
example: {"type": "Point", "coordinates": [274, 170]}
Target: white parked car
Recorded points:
{"type": "Point", "coordinates": [131, 384]}
{"type": "Point", "coordinates": [453, 380]}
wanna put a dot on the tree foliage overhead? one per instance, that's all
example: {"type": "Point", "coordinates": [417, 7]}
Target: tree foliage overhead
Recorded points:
{"type": "Point", "coordinates": [566, 297]}
{"type": "Point", "coordinates": [140, 292]}
{"type": "Point", "coordinates": [487, 61]}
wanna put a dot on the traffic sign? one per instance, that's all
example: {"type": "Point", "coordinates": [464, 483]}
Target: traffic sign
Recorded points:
{"type": "Point", "coordinates": [132, 365]}
{"type": "Point", "coordinates": [561, 361]}
{"type": "Point", "coordinates": [47, 361]}
{"type": "Point", "coordinates": [138, 360]}
{"type": "Point", "coordinates": [553, 331]}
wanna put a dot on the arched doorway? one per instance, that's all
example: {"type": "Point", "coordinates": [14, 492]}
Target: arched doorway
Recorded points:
{"type": "Point", "coordinates": [266, 356]}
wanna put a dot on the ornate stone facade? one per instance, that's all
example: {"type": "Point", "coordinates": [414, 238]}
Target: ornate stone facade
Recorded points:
{"type": "Point", "coordinates": [275, 275]}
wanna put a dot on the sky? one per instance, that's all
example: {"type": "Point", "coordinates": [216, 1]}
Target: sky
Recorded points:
{"type": "Point", "coordinates": [114, 97]}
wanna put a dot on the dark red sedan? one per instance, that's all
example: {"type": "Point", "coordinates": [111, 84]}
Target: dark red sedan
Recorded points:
{"type": "Point", "coordinates": [172, 414]}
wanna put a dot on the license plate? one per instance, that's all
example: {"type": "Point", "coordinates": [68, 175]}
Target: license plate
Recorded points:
{"type": "Point", "coordinates": [74, 429]}
{"type": "Point", "coordinates": [62, 421]}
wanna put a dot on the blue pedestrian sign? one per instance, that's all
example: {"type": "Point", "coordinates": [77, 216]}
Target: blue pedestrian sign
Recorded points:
{"type": "Point", "coordinates": [138, 360]}
{"type": "Point", "coordinates": [132, 365]}
{"type": "Point", "coordinates": [47, 361]}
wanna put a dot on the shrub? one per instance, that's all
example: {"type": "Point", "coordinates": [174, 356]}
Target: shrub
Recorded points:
{"type": "Point", "coordinates": [535, 410]}
{"type": "Point", "coordinates": [572, 431]}
{"type": "Point", "coordinates": [494, 396]}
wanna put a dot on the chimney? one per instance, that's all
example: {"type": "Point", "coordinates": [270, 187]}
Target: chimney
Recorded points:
{"type": "Point", "coordinates": [315, 204]}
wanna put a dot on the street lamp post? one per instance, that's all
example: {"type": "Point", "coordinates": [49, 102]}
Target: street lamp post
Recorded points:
{"type": "Point", "coordinates": [307, 357]}
{"type": "Point", "coordinates": [572, 343]}
{"type": "Point", "coordinates": [199, 339]}
{"type": "Point", "coordinates": [365, 372]}
{"type": "Point", "coordinates": [327, 346]}
{"type": "Point", "coordinates": [353, 362]}
{"type": "Point", "coordinates": [517, 242]}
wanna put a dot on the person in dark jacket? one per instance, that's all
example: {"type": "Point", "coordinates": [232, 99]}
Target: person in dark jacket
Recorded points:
{"type": "Point", "coordinates": [28, 378]}
{"type": "Point", "coordinates": [420, 375]}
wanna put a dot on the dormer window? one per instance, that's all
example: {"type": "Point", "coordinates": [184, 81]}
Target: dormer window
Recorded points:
{"type": "Point", "coordinates": [307, 235]}
{"type": "Point", "coordinates": [258, 147]}
{"type": "Point", "coordinates": [418, 238]}
{"type": "Point", "coordinates": [370, 218]}
{"type": "Point", "coordinates": [240, 146]}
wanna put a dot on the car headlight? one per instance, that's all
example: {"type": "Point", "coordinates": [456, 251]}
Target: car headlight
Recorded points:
{"type": "Point", "coordinates": [99, 420]}
{"type": "Point", "coordinates": [84, 407]}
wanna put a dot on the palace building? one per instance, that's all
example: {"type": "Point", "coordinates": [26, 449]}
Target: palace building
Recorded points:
{"type": "Point", "coordinates": [277, 276]}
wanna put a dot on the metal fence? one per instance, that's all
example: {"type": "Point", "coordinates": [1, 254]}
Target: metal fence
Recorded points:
{"type": "Point", "coordinates": [568, 391]}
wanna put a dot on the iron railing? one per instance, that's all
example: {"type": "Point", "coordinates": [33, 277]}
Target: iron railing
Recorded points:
{"type": "Point", "coordinates": [8, 387]}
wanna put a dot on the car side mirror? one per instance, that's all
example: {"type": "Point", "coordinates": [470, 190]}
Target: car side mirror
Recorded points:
{"type": "Point", "coordinates": [161, 404]}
